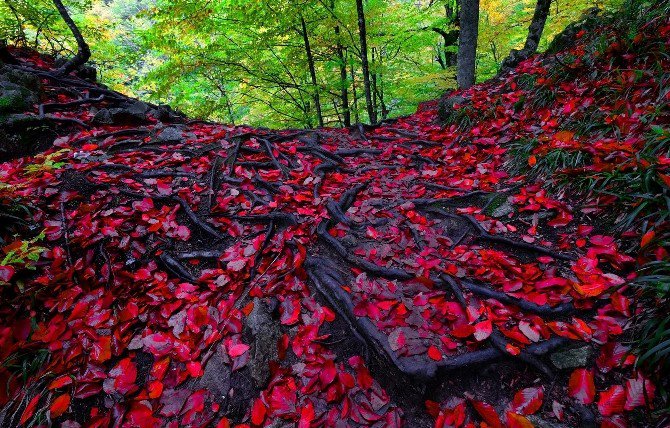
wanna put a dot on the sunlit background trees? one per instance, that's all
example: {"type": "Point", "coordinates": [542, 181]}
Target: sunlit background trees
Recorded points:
{"type": "Point", "coordinates": [282, 63]}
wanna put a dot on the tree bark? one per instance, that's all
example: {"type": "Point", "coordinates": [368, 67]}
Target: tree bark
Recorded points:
{"type": "Point", "coordinates": [83, 51]}
{"type": "Point", "coordinates": [355, 95]}
{"type": "Point", "coordinates": [372, 114]}
{"type": "Point", "coordinates": [312, 71]}
{"type": "Point", "coordinates": [344, 93]}
{"type": "Point", "coordinates": [344, 84]}
{"type": "Point", "coordinates": [533, 39]}
{"type": "Point", "coordinates": [467, 43]}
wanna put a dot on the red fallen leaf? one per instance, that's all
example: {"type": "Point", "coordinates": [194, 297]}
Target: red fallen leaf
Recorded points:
{"type": "Point", "coordinates": [194, 404]}
{"type": "Point", "coordinates": [581, 386]}
{"type": "Point", "coordinates": [60, 382]}
{"type": "Point", "coordinates": [140, 416]}
{"type": "Point", "coordinates": [327, 373]}
{"type": "Point", "coordinates": [223, 423]}
{"type": "Point", "coordinates": [237, 350]}
{"type": "Point", "coordinates": [532, 160]}
{"type": "Point", "coordinates": [121, 378]}
{"type": "Point", "coordinates": [513, 350]}
{"type": "Point", "coordinates": [290, 311]}
{"type": "Point", "coordinates": [557, 408]}
{"type": "Point", "coordinates": [22, 329]}
{"type": "Point", "coordinates": [518, 421]}
{"type": "Point", "coordinates": [306, 415]}
{"type": "Point", "coordinates": [612, 401]}
{"type": "Point", "coordinates": [101, 350]}
{"type": "Point", "coordinates": [397, 339]}
{"type": "Point", "coordinates": [60, 405]}
{"type": "Point", "coordinates": [452, 415]}
{"type": "Point", "coordinates": [647, 238]}
{"type": "Point", "coordinates": [639, 392]}
{"type": "Point", "coordinates": [236, 265]}
{"type": "Point", "coordinates": [145, 205]}
{"type": "Point", "coordinates": [462, 331]}
{"type": "Point", "coordinates": [155, 389]}
{"type": "Point", "coordinates": [434, 353]}
{"type": "Point", "coordinates": [6, 273]}
{"type": "Point", "coordinates": [29, 411]}
{"type": "Point", "coordinates": [612, 355]}
{"type": "Point", "coordinates": [529, 331]}
{"type": "Point", "coordinates": [433, 408]}
{"type": "Point", "coordinates": [258, 411]}
{"type": "Point", "coordinates": [562, 219]}
{"type": "Point", "coordinates": [483, 330]}
{"type": "Point", "coordinates": [590, 289]}
{"type": "Point", "coordinates": [487, 413]}
{"type": "Point", "coordinates": [528, 400]}
{"type": "Point", "coordinates": [363, 376]}
{"type": "Point", "coordinates": [194, 368]}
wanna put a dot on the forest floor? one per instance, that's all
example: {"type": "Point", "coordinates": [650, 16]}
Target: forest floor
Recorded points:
{"type": "Point", "coordinates": [192, 273]}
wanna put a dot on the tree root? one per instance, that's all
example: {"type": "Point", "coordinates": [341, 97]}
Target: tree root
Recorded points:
{"type": "Point", "coordinates": [563, 309]}
{"type": "Point", "coordinates": [483, 235]}
{"type": "Point", "coordinates": [176, 268]}
{"type": "Point", "coordinates": [268, 148]}
{"type": "Point", "coordinates": [329, 286]}
{"type": "Point", "coordinates": [322, 273]}
{"type": "Point", "coordinates": [114, 134]}
{"type": "Point", "coordinates": [205, 227]}
{"type": "Point", "coordinates": [43, 108]}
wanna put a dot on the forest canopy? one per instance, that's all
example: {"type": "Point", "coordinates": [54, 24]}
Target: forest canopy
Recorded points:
{"type": "Point", "coordinates": [271, 63]}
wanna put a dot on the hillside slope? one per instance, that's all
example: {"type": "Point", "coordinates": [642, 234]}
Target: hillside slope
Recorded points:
{"type": "Point", "coordinates": [415, 273]}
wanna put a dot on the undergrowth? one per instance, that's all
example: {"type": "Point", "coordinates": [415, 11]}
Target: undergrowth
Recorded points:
{"type": "Point", "coordinates": [636, 183]}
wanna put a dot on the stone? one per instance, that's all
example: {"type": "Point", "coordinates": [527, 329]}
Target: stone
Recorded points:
{"type": "Point", "coordinates": [103, 117]}
{"type": "Point", "coordinates": [138, 108]}
{"type": "Point", "coordinates": [539, 422]}
{"type": "Point", "coordinates": [265, 333]}
{"type": "Point", "coordinates": [19, 91]}
{"type": "Point", "coordinates": [446, 106]}
{"type": "Point", "coordinates": [170, 134]}
{"type": "Point", "coordinates": [571, 358]}
{"type": "Point", "coordinates": [503, 210]}
{"type": "Point", "coordinates": [216, 376]}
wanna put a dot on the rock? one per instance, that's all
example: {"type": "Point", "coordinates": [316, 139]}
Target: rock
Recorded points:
{"type": "Point", "coordinates": [19, 91]}
{"type": "Point", "coordinates": [568, 36]}
{"type": "Point", "coordinates": [166, 114]}
{"type": "Point", "coordinates": [503, 210]}
{"type": "Point", "coordinates": [103, 117]}
{"type": "Point", "coordinates": [171, 134]}
{"type": "Point", "coordinates": [571, 358]}
{"type": "Point", "coordinates": [543, 423]}
{"type": "Point", "coordinates": [265, 333]}
{"type": "Point", "coordinates": [138, 108]}
{"type": "Point", "coordinates": [446, 106]}
{"type": "Point", "coordinates": [21, 78]}
{"type": "Point", "coordinates": [24, 135]}
{"type": "Point", "coordinates": [216, 376]}
{"type": "Point", "coordinates": [134, 114]}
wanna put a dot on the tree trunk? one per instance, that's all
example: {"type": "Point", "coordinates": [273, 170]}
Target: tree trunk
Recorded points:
{"type": "Point", "coordinates": [344, 93]}
{"type": "Point", "coordinates": [467, 43]}
{"type": "Point", "coordinates": [83, 51]}
{"type": "Point", "coordinates": [533, 39]}
{"type": "Point", "coordinates": [353, 89]}
{"type": "Point", "coordinates": [372, 115]}
{"type": "Point", "coordinates": [373, 78]}
{"type": "Point", "coordinates": [312, 71]}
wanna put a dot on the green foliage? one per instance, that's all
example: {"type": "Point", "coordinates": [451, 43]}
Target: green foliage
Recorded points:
{"type": "Point", "coordinates": [244, 61]}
